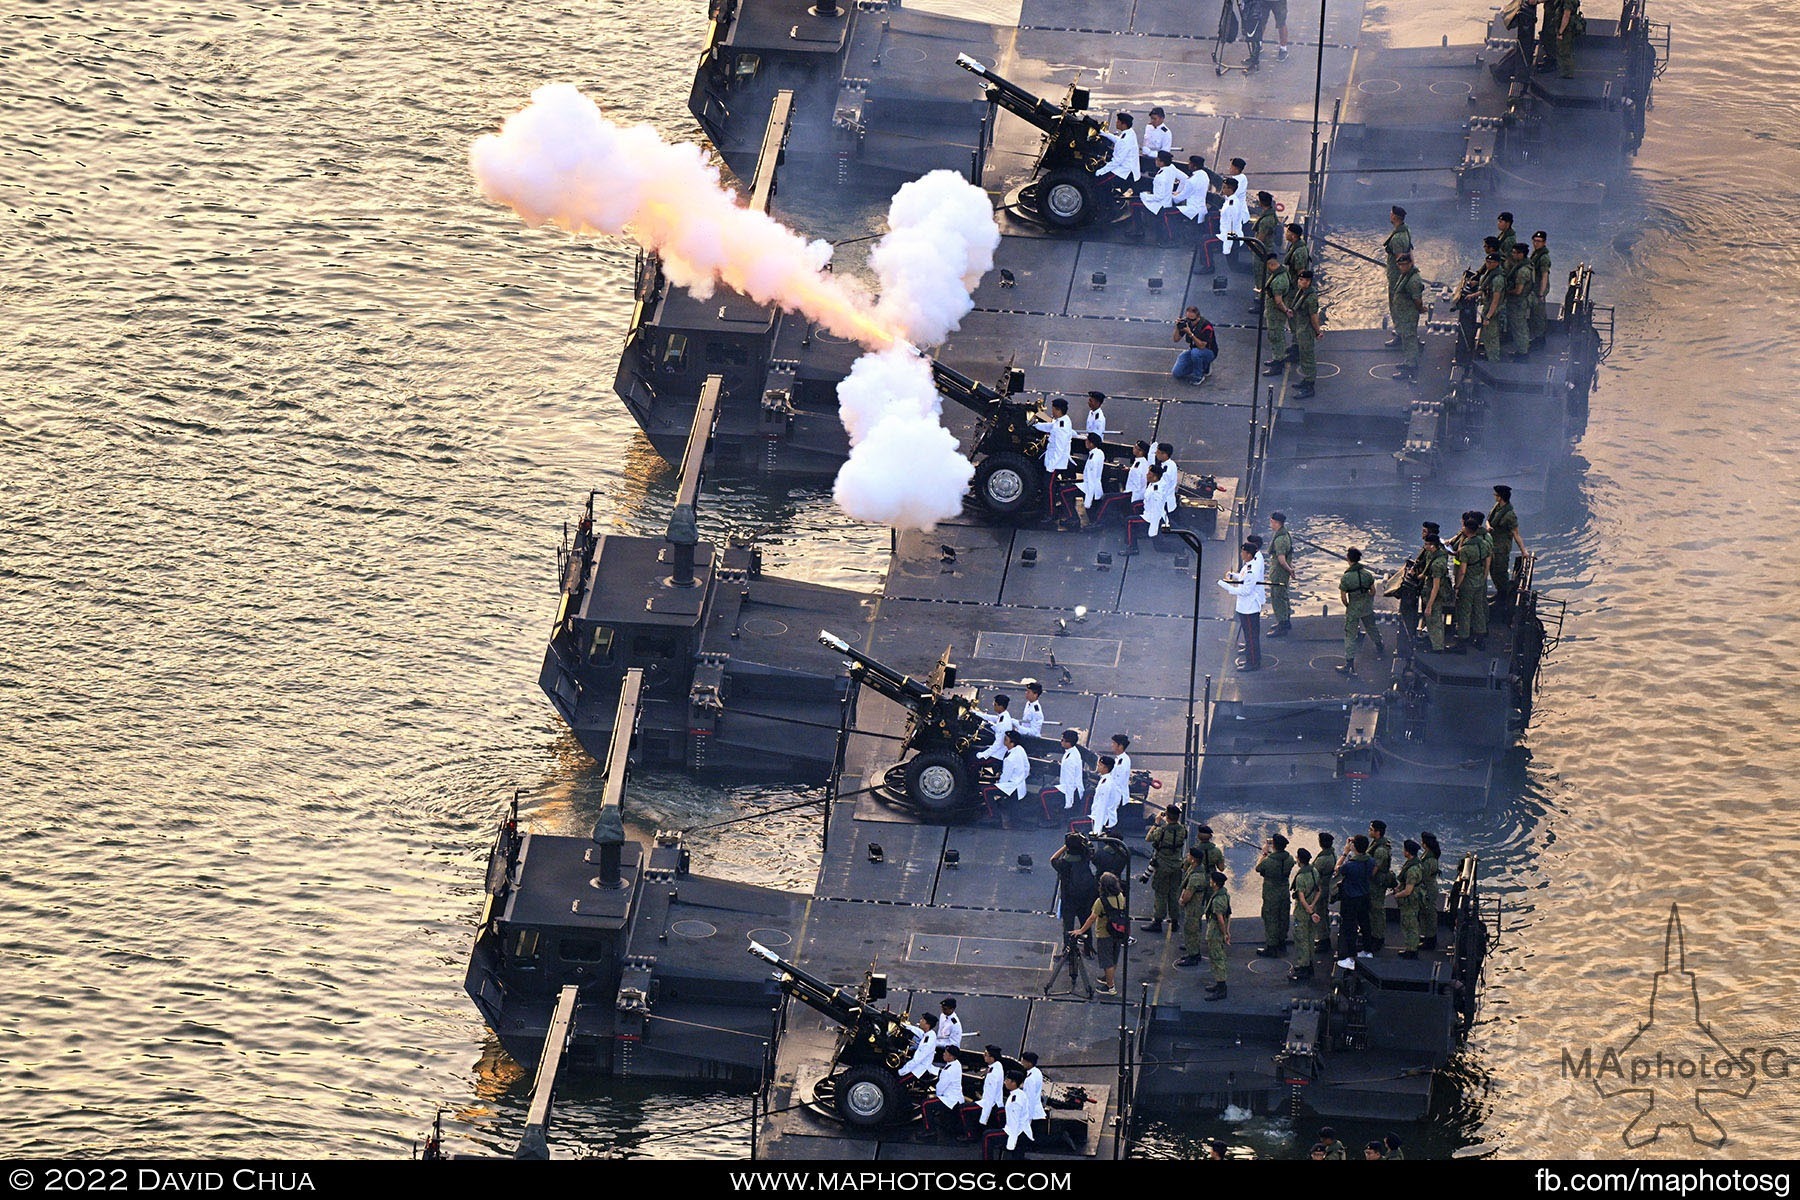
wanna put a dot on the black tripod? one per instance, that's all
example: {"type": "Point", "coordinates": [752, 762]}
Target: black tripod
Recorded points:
{"type": "Point", "coordinates": [1074, 962]}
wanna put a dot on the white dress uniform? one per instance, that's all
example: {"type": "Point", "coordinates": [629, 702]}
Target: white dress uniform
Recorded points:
{"type": "Point", "coordinates": [1243, 188]}
{"type": "Point", "coordinates": [1137, 479]}
{"type": "Point", "coordinates": [993, 1090]}
{"type": "Point", "coordinates": [1233, 217]}
{"type": "Point", "coordinates": [1031, 721]}
{"type": "Point", "coordinates": [924, 1050]}
{"type": "Point", "coordinates": [1015, 768]}
{"type": "Point", "coordinates": [1109, 794]}
{"type": "Point", "coordinates": [1124, 160]}
{"type": "Point", "coordinates": [1122, 764]}
{"type": "Point", "coordinates": [1091, 472]}
{"type": "Point", "coordinates": [1062, 436]}
{"type": "Point", "coordinates": [949, 1085]}
{"type": "Point", "coordinates": [1096, 421]}
{"type": "Point", "coordinates": [999, 723]}
{"type": "Point", "coordinates": [949, 1031]}
{"type": "Point", "coordinates": [1069, 780]}
{"type": "Point", "coordinates": [1156, 504]}
{"type": "Point", "coordinates": [1157, 137]}
{"type": "Point", "coordinates": [1164, 189]}
{"type": "Point", "coordinates": [1249, 592]}
{"type": "Point", "coordinates": [1034, 1096]}
{"type": "Point", "coordinates": [1018, 1115]}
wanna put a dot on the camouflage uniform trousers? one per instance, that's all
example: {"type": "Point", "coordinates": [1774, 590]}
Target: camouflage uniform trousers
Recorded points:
{"type": "Point", "coordinates": [1165, 883]}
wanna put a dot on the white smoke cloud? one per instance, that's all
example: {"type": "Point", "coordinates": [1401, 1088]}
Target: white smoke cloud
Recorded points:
{"type": "Point", "coordinates": [905, 468]}
{"type": "Point", "coordinates": [560, 162]}
{"type": "Point", "coordinates": [941, 240]}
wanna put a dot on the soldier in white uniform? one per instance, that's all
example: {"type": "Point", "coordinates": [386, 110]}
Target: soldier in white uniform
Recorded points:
{"type": "Point", "coordinates": [1057, 450]}
{"type": "Point", "coordinates": [1031, 719]}
{"type": "Point", "coordinates": [1093, 469]}
{"type": "Point", "coordinates": [1138, 478]}
{"type": "Point", "coordinates": [1110, 792]}
{"type": "Point", "coordinates": [1005, 1141]}
{"type": "Point", "coordinates": [1000, 720]}
{"type": "Point", "coordinates": [949, 1028]}
{"type": "Point", "coordinates": [1015, 769]}
{"type": "Point", "coordinates": [924, 1050]}
{"type": "Point", "coordinates": [1166, 191]}
{"type": "Point", "coordinates": [1123, 165]}
{"type": "Point", "coordinates": [1096, 415]}
{"type": "Point", "coordinates": [1070, 780]}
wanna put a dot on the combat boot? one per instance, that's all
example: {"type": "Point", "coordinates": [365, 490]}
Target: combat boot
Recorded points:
{"type": "Point", "coordinates": [1268, 951]}
{"type": "Point", "coordinates": [1347, 667]}
{"type": "Point", "coordinates": [1293, 354]}
{"type": "Point", "coordinates": [1152, 926]}
{"type": "Point", "coordinates": [1406, 373]}
{"type": "Point", "coordinates": [1275, 366]}
{"type": "Point", "coordinates": [1188, 960]}
{"type": "Point", "coordinates": [1392, 343]}
{"type": "Point", "coordinates": [1298, 974]}
{"type": "Point", "coordinates": [1304, 390]}
{"type": "Point", "coordinates": [1216, 992]}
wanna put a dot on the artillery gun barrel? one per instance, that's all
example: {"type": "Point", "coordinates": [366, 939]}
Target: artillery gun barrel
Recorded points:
{"type": "Point", "coordinates": [952, 384]}
{"type": "Point", "coordinates": [815, 993]}
{"type": "Point", "coordinates": [884, 679]}
{"type": "Point", "coordinates": [1012, 97]}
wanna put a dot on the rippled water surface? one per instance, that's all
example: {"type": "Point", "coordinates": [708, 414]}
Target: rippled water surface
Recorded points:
{"type": "Point", "coordinates": [289, 420]}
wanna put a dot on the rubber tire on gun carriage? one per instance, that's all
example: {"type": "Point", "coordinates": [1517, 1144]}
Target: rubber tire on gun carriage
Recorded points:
{"type": "Point", "coordinates": [1068, 198]}
{"type": "Point", "coordinates": [927, 774]}
{"type": "Point", "coordinates": [1009, 484]}
{"type": "Point", "coordinates": [868, 1095]}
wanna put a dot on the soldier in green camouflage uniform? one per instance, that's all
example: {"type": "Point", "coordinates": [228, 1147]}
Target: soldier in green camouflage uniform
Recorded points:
{"type": "Point", "coordinates": [1218, 934]}
{"type": "Point", "coordinates": [1325, 863]}
{"type": "Point", "coordinates": [1357, 590]}
{"type": "Point", "coordinates": [1295, 258]}
{"type": "Point", "coordinates": [1309, 909]}
{"type": "Point", "coordinates": [1195, 884]}
{"type": "Point", "coordinates": [1275, 865]}
{"type": "Point", "coordinates": [1539, 321]}
{"type": "Point", "coordinates": [1569, 24]}
{"type": "Point", "coordinates": [1275, 315]}
{"type": "Point", "coordinates": [1521, 289]}
{"type": "Point", "coordinates": [1267, 232]}
{"type": "Point", "coordinates": [1166, 838]}
{"type": "Point", "coordinates": [1410, 896]}
{"type": "Point", "coordinates": [1503, 526]}
{"type": "Point", "coordinates": [1307, 330]}
{"type": "Point", "coordinates": [1381, 880]}
{"type": "Point", "coordinates": [1471, 583]}
{"type": "Point", "coordinates": [1428, 878]}
{"type": "Point", "coordinates": [1406, 302]}
{"type": "Point", "coordinates": [1439, 595]}
{"type": "Point", "coordinates": [1281, 575]}
{"type": "Point", "coordinates": [1504, 234]}
{"type": "Point", "coordinates": [1397, 243]}
{"type": "Point", "coordinates": [1493, 309]}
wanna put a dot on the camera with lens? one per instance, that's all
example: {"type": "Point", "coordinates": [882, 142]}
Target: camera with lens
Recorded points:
{"type": "Point", "coordinates": [1144, 875]}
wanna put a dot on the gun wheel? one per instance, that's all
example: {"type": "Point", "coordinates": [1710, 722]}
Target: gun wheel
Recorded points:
{"type": "Point", "coordinates": [1067, 198]}
{"type": "Point", "coordinates": [868, 1095]}
{"type": "Point", "coordinates": [937, 780]}
{"type": "Point", "coordinates": [1008, 483]}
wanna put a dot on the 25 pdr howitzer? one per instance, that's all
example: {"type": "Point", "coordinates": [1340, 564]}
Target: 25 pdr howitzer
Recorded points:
{"type": "Point", "coordinates": [1064, 192]}
{"type": "Point", "coordinates": [943, 728]}
{"type": "Point", "coordinates": [862, 1084]}
{"type": "Point", "coordinates": [1009, 447]}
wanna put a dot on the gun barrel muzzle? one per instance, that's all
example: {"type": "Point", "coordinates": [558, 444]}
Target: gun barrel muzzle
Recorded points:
{"type": "Point", "coordinates": [763, 952]}
{"type": "Point", "coordinates": [827, 638]}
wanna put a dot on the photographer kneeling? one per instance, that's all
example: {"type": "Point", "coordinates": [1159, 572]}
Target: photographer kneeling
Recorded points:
{"type": "Point", "coordinates": [1194, 364]}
